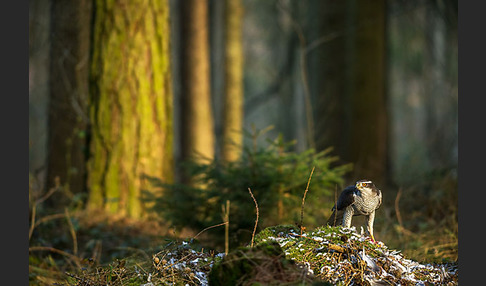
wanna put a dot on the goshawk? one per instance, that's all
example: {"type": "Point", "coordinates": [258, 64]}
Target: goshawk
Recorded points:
{"type": "Point", "coordinates": [361, 199]}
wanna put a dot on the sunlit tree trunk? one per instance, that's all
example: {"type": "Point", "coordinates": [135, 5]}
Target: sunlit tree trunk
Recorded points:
{"type": "Point", "coordinates": [233, 96]}
{"type": "Point", "coordinates": [197, 130]}
{"type": "Point", "coordinates": [68, 120]}
{"type": "Point", "coordinates": [131, 104]}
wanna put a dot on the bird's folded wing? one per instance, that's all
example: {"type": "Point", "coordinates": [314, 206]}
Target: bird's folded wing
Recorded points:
{"type": "Point", "coordinates": [346, 198]}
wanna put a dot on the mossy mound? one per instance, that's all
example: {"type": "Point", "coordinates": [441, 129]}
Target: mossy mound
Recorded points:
{"type": "Point", "coordinates": [264, 264]}
{"type": "Point", "coordinates": [281, 256]}
{"type": "Point", "coordinates": [343, 256]}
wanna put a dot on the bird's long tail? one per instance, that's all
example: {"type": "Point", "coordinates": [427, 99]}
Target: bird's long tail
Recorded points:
{"type": "Point", "coordinates": [336, 218]}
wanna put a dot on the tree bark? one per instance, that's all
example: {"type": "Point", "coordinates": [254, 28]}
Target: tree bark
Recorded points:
{"type": "Point", "coordinates": [368, 105]}
{"type": "Point", "coordinates": [197, 130]}
{"type": "Point", "coordinates": [327, 73]}
{"type": "Point", "coordinates": [131, 105]}
{"type": "Point", "coordinates": [350, 88]}
{"type": "Point", "coordinates": [233, 96]}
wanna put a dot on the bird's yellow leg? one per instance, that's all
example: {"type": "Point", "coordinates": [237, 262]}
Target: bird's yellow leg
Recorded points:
{"type": "Point", "coordinates": [372, 238]}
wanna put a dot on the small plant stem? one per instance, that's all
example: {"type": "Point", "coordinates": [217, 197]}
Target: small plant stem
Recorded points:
{"type": "Point", "coordinates": [335, 207]}
{"type": "Point", "coordinates": [72, 231]}
{"type": "Point", "coordinates": [303, 202]}
{"type": "Point", "coordinates": [257, 216]}
{"type": "Point", "coordinates": [226, 227]}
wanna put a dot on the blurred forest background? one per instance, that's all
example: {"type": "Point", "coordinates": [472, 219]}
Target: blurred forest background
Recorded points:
{"type": "Point", "coordinates": [146, 117]}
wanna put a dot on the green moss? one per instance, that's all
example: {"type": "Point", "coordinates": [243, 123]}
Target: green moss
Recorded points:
{"type": "Point", "coordinates": [275, 231]}
{"type": "Point", "coordinates": [132, 123]}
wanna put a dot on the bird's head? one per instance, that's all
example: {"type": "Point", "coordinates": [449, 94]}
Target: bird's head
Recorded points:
{"type": "Point", "coordinates": [365, 185]}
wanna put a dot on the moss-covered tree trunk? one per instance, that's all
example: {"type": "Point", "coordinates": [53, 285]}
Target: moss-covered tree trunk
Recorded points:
{"type": "Point", "coordinates": [131, 104]}
{"type": "Point", "coordinates": [197, 130]}
{"type": "Point", "coordinates": [233, 96]}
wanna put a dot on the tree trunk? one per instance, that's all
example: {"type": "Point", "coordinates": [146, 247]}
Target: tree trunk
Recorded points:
{"type": "Point", "coordinates": [348, 81]}
{"type": "Point", "coordinates": [440, 106]}
{"type": "Point", "coordinates": [327, 73]}
{"type": "Point", "coordinates": [233, 96]}
{"type": "Point", "coordinates": [39, 31]}
{"type": "Point", "coordinates": [197, 130]}
{"type": "Point", "coordinates": [368, 105]}
{"type": "Point", "coordinates": [70, 24]}
{"type": "Point", "coordinates": [131, 104]}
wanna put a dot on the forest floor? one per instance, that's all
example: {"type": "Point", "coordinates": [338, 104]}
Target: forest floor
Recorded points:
{"type": "Point", "coordinates": [280, 254]}
{"type": "Point", "coordinates": [417, 247]}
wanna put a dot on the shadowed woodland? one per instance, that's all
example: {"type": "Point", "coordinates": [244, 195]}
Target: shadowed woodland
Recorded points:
{"type": "Point", "coordinates": [150, 120]}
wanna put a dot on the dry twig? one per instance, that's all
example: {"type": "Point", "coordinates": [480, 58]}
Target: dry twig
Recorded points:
{"type": "Point", "coordinates": [72, 231]}
{"type": "Point", "coordinates": [257, 216]}
{"type": "Point", "coordinates": [74, 258]}
{"type": "Point", "coordinates": [48, 218]}
{"type": "Point", "coordinates": [32, 221]}
{"type": "Point", "coordinates": [303, 202]}
{"type": "Point", "coordinates": [397, 209]}
{"type": "Point", "coordinates": [209, 227]}
{"type": "Point", "coordinates": [335, 206]}
{"type": "Point", "coordinates": [33, 224]}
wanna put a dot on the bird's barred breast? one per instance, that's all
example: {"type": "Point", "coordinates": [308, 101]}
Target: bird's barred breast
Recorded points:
{"type": "Point", "coordinates": [365, 207]}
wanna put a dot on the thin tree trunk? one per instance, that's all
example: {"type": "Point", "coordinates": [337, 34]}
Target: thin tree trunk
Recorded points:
{"type": "Point", "coordinates": [233, 96]}
{"type": "Point", "coordinates": [197, 130]}
{"type": "Point", "coordinates": [131, 104]}
{"type": "Point", "coordinates": [69, 91]}
{"type": "Point", "coordinates": [439, 104]}
{"type": "Point", "coordinates": [39, 44]}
